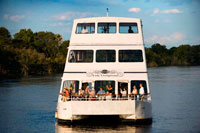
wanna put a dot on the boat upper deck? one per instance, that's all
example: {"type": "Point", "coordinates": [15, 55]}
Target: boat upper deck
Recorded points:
{"type": "Point", "coordinates": [107, 31]}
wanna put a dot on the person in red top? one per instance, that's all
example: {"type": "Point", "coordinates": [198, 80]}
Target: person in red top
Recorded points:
{"type": "Point", "coordinates": [65, 95]}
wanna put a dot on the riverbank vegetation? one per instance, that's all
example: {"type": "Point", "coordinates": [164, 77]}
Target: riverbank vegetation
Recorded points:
{"type": "Point", "coordinates": [28, 53]}
{"type": "Point", "coordinates": [183, 55]}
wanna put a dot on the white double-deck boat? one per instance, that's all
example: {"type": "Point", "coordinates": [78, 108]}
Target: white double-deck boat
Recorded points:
{"type": "Point", "coordinates": [105, 61]}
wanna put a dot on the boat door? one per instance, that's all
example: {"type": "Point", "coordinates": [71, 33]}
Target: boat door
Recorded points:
{"type": "Point", "coordinates": [123, 88]}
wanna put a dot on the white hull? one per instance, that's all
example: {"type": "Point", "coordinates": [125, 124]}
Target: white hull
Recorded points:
{"type": "Point", "coordinates": [126, 109]}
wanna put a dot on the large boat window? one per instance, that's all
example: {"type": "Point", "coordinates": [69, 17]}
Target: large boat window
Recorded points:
{"type": "Point", "coordinates": [82, 56]}
{"type": "Point", "coordinates": [85, 28]}
{"type": "Point", "coordinates": [107, 86]}
{"type": "Point", "coordinates": [128, 28]}
{"type": "Point", "coordinates": [130, 56]}
{"type": "Point", "coordinates": [139, 84]}
{"type": "Point", "coordinates": [106, 27]}
{"type": "Point", "coordinates": [71, 85]}
{"type": "Point", "coordinates": [105, 56]}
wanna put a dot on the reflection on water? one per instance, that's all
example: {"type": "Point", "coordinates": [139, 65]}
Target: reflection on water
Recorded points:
{"type": "Point", "coordinates": [64, 128]}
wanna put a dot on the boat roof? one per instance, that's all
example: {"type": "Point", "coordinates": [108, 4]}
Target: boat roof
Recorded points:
{"type": "Point", "coordinates": [106, 19]}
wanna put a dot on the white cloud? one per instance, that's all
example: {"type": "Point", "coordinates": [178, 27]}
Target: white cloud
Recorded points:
{"type": "Point", "coordinates": [135, 10]}
{"type": "Point", "coordinates": [162, 21]}
{"type": "Point", "coordinates": [13, 18]}
{"type": "Point", "coordinates": [157, 21]}
{"type": "Point", "coordinates": [72, 15]}
{"type": "Point", "coordinates": [16, 17]}
{"type": "Point", "coordinates": [59, 24]}
{"type": "Point", "coordinates": [178, 36]}
{"type": "Point", "coordinates": [156, 11]}
{"type": "Point", "coordinates": [5, 16]}
{"type": "Point", "coordinates": [171, 11]}
{"type": "Point", "coordinates": [166, 39]}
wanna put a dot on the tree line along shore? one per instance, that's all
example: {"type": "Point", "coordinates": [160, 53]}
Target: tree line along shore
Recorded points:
{"type": "Point", "coordinates": [37, 53]}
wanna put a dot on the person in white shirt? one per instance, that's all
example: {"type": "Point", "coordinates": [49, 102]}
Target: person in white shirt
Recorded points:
{"type": "Point", "coordinates": [134, 92]}
{"type": "Point", "coordinates": [141, 90]}
{"type": "Point", "coordinates": [123, 92]}
{"type": "Point", "coordinates": [84, 30]}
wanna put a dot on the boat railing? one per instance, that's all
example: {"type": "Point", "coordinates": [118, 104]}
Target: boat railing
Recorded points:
{"type": "Point", "coordinates": [138, 97]}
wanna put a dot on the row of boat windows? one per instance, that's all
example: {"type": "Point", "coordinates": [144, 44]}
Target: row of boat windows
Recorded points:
{"type": "Point", "coordinates": [89, 28]}
{"type": "Point", "coordinates": [86, 56]}
{"type": "Point", "coordinates": [107, 86]}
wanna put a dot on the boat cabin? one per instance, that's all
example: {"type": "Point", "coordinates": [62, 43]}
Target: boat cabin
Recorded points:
{"type": "Point", "coordinates": [104, 52]}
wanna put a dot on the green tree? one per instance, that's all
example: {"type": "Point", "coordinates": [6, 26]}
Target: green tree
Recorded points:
{"type": "Point", "coordinates": [4, 33]}
{"type": "Point", "coordinates": [24, 38]}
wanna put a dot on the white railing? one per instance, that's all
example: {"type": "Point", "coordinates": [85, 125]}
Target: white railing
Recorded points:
{"type": "Point", "coordinates": [145, 97]}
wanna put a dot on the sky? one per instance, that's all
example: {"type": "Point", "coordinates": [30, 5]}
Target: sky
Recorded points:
{"type": "Point", "coordinates": [168, 22]}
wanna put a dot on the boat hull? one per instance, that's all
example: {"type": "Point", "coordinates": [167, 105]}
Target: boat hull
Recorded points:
{"type": "Point", "coordinates": [126, 111]}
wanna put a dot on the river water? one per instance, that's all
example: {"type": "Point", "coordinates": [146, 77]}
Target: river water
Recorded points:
{"type": "Point", "coordinates": [28, 104]}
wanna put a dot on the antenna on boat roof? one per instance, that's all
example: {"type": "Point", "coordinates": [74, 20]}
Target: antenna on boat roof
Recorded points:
{"type": "Point", "coordinates": [107, 12]}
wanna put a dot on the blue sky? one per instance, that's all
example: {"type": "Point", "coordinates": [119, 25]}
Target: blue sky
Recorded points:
{"type": "Point", "coordinates": [169, 22]}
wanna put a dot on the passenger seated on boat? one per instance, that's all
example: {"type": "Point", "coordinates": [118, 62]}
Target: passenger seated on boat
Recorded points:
{"type": "Point", "coordinates": [92, 94]}
{"type": "Point", "coordinates": [84, 30]}
{"type": "Point", "coordinates": [101, 93]}
{"type": "Point", "coordinates": [80, 93]}
{"type": "Point", "coordinates": [141, 92]}
{"type": "Point", "coordinates": [65, 95]}
{"type": "Point", "coordinates": [124, 93]}
{"type": "Point", "coordinates": [75, 97]}
{"type": "Point", "coordinates": [130, 30]}
{"type": "Point", "coordinates": [86, 93]}
{"type": "Point", "coordinates": [134, 92]}
{"type": "Point", "coordinates": [108, 96]}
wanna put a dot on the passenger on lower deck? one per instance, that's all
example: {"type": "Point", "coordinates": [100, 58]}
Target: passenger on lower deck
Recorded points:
{"type": "Point", "coordinates": [101, 93]}
{"type": "Point", "coordinates": [141, 89]}
{"type": "Point", "coordinates": [92, 94]}
{"type": "Point", "coordinates": [86, 93]}
{"type": "Point", "coordinates": [109, 89]}
{"type": "Point", "coordinates": [134, 93]}
{"type": "Point", "coordinates": [141, 92]}
{"type": "Point", "coordinates": [108, 96]}
{"type": "Point", "coordinates": [65, 95]}
{"type": "Point", "coordinates": [124, 93]}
